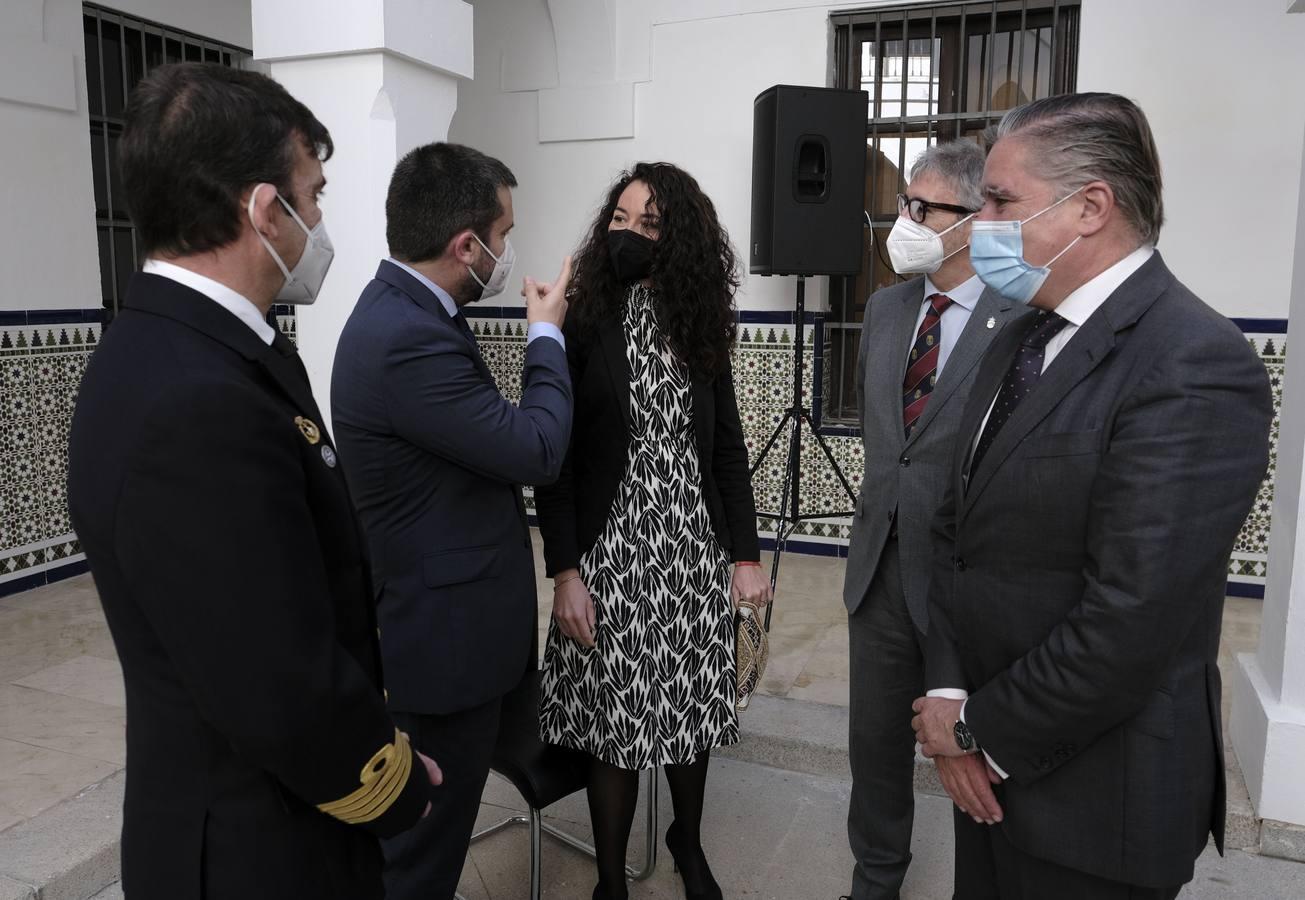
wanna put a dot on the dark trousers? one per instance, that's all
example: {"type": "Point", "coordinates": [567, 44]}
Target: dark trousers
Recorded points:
{"type": "Point", "coordinates": [989, 867]}
{"type": "Point", "coordinates": [887, 675]}
{"type": "Point", "coordinates": [425, 862]}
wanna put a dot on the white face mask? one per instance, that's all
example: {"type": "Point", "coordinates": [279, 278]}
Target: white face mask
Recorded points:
{"type": "Point", "coordinates": [497, 282]}
{"type": "Point", "coordinates": [915, 249]}
{"type": "Point", "coordinates": [303, 284]}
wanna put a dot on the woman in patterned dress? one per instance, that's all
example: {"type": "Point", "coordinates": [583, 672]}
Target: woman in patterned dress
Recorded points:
{"type": "Point", "coordinates": [653, 505]}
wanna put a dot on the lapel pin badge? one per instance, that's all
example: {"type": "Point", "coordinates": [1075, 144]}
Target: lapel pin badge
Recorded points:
{"type": "Point", "coordinates": [308, 429]}
{"type": "Point", "coordinates": [328, 455]}
{"type": "Point", "coordinates": [992, 322]}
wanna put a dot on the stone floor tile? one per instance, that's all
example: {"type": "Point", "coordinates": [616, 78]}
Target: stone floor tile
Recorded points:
{"type": "Point", "coordinates": [85, 677]}
{"type": "Point", "coordinates": [60, 722]}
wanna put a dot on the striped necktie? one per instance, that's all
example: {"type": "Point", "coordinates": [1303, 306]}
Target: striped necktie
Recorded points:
{"type": "Point", "coordinates": [922, 367]}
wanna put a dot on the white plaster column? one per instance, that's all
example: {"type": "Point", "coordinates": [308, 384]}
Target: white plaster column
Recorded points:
{"type": "Point", "coordinates": [1268, 710]}
{"type": "Point", "coordinates": [382, 75]}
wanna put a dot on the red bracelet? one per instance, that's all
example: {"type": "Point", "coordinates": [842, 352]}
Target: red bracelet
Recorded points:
{"type": "Point", "coordinates": [746, 562]}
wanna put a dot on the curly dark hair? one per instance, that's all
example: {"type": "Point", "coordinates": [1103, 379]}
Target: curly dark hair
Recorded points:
{"type": "Point", "coordinates": [694, 270]}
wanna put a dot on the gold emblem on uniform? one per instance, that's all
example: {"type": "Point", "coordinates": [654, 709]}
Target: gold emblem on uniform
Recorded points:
{"type": "Point", "coordinates": [308, 429]}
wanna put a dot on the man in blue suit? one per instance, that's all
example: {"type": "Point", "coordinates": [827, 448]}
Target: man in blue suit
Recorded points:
{"type": "Point", "coordinates": [435, 457]}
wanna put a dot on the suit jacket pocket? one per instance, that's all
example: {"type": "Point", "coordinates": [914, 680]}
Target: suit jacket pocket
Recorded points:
{"type": "Point", "coordinates": [1070, 443]}
{"type": "Point", "coordinates": [1156, 718]}
{"type": "Point", "coordinates": [460, 566]}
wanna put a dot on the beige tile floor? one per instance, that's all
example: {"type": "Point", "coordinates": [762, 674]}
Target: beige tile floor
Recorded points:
{"type": "Point", "coordinates": [61, 700]}
{"type": "Point", "coordinates": [62, 711]}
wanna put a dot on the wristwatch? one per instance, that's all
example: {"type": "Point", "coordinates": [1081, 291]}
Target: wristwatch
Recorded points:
{"type": "Point", "coordinates": [964, 739]}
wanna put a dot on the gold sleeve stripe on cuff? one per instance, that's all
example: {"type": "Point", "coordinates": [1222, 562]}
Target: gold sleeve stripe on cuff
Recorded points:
{"type": "Point", "coordinates": [383, 779]}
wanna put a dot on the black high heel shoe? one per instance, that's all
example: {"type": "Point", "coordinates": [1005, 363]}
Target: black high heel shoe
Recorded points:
{"type": "Point", "coordinates": [680, 855]}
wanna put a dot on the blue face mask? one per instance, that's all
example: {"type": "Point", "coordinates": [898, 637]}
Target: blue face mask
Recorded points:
{"type": "Point", "coordinates": [997, 254]}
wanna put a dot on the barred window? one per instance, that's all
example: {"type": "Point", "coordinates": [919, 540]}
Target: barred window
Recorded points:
{"type": "Point", "coordinates": [120, 50]}
{"type": "Point", "coordinates": [934, 72]}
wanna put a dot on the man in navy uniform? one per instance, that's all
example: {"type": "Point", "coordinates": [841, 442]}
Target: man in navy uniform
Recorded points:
{"type": "Point", "coordinates": [261, 761]}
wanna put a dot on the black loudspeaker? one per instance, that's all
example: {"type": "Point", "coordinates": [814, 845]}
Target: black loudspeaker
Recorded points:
{"type": "Point", "coordinates": [808, 181]}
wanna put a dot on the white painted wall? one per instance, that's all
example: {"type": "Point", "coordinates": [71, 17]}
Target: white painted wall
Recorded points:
{"type": "Point", "coordinates": [1268, 708]}
{"type": "Point", "coordinates": [377, 107]}
{"type": "Point", "coordinates": [48, 252]}
{"type": "Point", "coordinates": [378, 104]}
{"type": "Point", "coordinates": [1224, 88]}
{"type": "Point", "coordinates": [47, 235]}
{"type": "Point", "coordinates": [696, 111]}
{"type": "Point", "coordinates": [1221, 83]}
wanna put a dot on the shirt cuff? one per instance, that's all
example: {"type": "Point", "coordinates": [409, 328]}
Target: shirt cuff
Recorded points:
{"type": "Point", "coordinates": [949, 693]}
{"type": "Point", "coordinates": [544, 329]}
{"type": "Point", "coordinates": [992, 762]}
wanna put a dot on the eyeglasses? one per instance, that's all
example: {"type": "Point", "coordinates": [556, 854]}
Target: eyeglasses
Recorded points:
{"type": "Point", "coordinates": [920, 208]}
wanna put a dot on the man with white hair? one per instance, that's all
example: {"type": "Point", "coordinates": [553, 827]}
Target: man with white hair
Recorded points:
{"type": "Point", "coordinates": [921, 341]}
{"type": "Point", "coordinates": [1111, 449]}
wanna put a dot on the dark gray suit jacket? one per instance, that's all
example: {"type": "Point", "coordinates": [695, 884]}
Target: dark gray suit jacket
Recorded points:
{"type": "Point", "coordinates": [907, 477]}
{"type": "Point", "coordinates": [1079, 582]}
{"type": "Point", "coordinates": [435, 457]}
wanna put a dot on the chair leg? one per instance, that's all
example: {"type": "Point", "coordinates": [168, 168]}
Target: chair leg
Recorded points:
{"type": "Point", "coordinates": [536, 852]}
{"type": "Point", "coordinates": [539, 828]}
{"type": "Point", "coordinates": [650, 854]}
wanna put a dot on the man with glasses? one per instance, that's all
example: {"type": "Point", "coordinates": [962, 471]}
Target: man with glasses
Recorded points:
{"type": "Point", "coordinates": [920, 343]}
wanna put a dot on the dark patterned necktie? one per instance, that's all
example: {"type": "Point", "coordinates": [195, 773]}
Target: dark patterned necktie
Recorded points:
{"type": "Point", "coordinates": [922, 367]}
{"type": "Point", "coordinates": [1023, 374]}
{"type": "Point", "coordinates": [461, 321]}
{"type": "Point", "coordinates": [282, 345]}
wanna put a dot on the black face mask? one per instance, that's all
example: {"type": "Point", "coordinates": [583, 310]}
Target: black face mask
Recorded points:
{"type": "Point", "coordinates": [632, 254]}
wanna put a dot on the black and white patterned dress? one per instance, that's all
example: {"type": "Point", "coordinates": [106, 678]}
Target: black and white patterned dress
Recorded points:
{"type": "Point", "coordinates": [659, 686]}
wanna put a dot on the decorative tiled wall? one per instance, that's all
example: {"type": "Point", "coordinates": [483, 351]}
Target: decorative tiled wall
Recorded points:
{"type": "Point", "coordinates": [763, 372]}
{"type": "Point", "coordinates": [1250, 558]}
{"type": "Point", "coordinates": [43, 355]}
{"type": "Point", "coordinates": [501, 333]}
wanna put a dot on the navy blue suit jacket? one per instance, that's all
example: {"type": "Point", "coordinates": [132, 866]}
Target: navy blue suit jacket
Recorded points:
{"type": "Point", "coordinates": [435, 457]}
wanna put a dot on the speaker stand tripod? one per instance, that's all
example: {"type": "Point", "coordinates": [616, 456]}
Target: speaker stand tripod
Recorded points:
{"type": "Point", "coordinates": [790, 513]}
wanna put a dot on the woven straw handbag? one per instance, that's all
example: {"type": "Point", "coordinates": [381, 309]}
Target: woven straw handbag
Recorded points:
{"type": "Point", "coordinates": [751, 650]}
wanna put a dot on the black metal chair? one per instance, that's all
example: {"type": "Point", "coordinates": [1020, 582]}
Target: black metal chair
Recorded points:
{"type": "Point", "coordinates": [545, 774]}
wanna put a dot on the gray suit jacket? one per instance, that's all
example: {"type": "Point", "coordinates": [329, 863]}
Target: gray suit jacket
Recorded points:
{"type": "Point", "coordinates": [1079, 581]}
{"type": "Point", "coordinates": [907, 477]}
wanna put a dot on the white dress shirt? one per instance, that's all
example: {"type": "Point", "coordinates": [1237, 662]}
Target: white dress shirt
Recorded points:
{"type": "Point", "coordinates": [238, 305]}
{"type": "Point", "coordinates": [1076, 309]}
{"type": "Point", "coordinates": [534, 330]}
{"type": "Point", "coordinates": [964, 297]}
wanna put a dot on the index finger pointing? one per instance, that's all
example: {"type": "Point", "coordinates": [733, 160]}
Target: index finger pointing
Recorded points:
{"type": "Point", "coordinates": [564, 277]}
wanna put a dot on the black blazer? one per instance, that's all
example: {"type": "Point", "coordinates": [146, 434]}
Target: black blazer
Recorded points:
{"type": "Point", "coordinates": [436, 457]}
{"type": "Point", "coordinates": [1079, 580]}
{"type": "Point", "coordinates": [232, 571]}
{"type": "Point", "coordinates": [573, 511]}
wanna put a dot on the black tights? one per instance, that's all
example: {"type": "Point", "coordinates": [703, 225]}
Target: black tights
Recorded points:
{"type": "Point", "coordinates": [613, 793]}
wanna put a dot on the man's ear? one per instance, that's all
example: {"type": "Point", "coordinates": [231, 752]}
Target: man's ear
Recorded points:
{"type": "Point", "coordinates": [265, 218]}
{"type": "Point", "coordinates": [464, 247]}
{"type": "Point", "coordinates": [1098, 204]}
